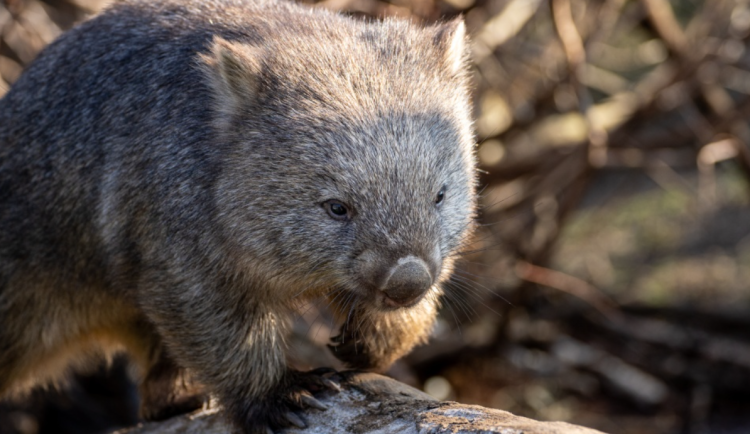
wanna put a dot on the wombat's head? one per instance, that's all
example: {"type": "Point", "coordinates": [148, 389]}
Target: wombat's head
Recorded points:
{"type": "Point", "coordinates": [352, 168]}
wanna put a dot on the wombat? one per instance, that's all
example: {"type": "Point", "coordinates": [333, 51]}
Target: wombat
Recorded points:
{"type": "Point", "coordinates": [176, 175]}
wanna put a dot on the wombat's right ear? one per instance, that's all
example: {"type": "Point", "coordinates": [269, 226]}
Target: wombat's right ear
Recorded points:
{"type": "Point", "coordinates": [234, 70]}
{"type": "Point", "coordinates": [451, 38]}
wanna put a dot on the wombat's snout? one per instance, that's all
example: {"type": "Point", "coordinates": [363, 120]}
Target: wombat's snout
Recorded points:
{"type": "Point", "coordinates": [406, 281]}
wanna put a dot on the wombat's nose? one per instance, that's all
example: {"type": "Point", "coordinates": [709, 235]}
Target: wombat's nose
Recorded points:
{"type": "Point", "coordinates": [409, 279]}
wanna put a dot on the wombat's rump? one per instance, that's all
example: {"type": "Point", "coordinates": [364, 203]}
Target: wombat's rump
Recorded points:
{"type": "Point", "coordinates": [176, 175]}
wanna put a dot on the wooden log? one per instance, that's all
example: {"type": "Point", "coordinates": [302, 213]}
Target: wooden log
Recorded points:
{"type": "Point", "coordinates": [371, 403]}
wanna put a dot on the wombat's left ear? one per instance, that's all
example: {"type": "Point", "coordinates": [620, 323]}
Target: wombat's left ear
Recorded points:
{"type": "Point", "coordinates": [451, 38]}
{"type": "Point", "coordinates": [234, 71]}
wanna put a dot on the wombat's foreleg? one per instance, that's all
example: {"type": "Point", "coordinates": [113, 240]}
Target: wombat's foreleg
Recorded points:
{"type": "Point", "coordinates": [373, 340]}
{"type": "Point", "coordinates": [168, 390]}
{"type": "Point", "coordinates": [234, 345]}
{"type": "Point", "coordinates": [8, 361]}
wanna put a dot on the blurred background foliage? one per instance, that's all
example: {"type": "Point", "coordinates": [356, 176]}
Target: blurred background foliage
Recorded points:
{"type": "Point", "coordinates": [607, 284]}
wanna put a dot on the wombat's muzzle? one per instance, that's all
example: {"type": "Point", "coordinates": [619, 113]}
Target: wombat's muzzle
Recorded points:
{"type": "Point", "coordinates": [406, 281]}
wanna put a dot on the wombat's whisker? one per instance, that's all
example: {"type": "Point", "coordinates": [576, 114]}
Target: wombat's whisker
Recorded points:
{"type": "Point", "coordinates": [466, 261]}
{"type": "Point", "coordinates": [310, 305]}
{"type": "Point", "coordinates": [348, 301]}
{"type": "Point", "coordinates": [313, 268]}
{"type": "Point", "coordinates": [475, 251]}
{"type": "Point", "coordinates": [466, 273]}
{"type": "Point", "coordinates": [333, 302]}
{"type": "Point", "coordinates": [463, 229]}
{"type": "Point", "coordinates": [477, 294]}
{"type": "Point", "coordinates": [481, 192]}
{"type": "Point", "coordinates": [462, 276]}
{"type": "Point", "coordinates": [448, 299]}
{"type": "Point", "coordinates": [468, 293]}
{"type": "Point", "coordinates": [487, 207]}
{"type": "Point", "coordinates": [487, 236]}
{"type": "Point", "coordinates": [318, 317]}
{"type": "Point", "coordinates": [339, 308]}
{"type": "Point", "coordinates": [489, 225]}
{"type": "Point", "coordinates": [349, 316]}
{"type": "Point", "coordinates": [462, 303]}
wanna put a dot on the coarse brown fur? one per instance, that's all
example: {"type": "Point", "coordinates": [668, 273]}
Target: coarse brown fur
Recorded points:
{"type": "Point", "coordinates": [176, 175]}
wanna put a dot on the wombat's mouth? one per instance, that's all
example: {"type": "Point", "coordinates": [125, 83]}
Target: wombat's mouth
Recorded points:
{"type": "Point", "coordinates": [400, 303]}
{"type": "Point", "coordinates": [386, 303]}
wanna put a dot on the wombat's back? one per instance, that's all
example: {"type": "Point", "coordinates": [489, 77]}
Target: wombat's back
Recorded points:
{"type": "Point", "coordinates": [111, 126]}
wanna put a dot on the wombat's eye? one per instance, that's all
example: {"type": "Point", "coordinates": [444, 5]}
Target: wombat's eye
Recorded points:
{"type": "Point", "coordinates": [440, 196]}
{"type": "Point", "coordinates": [337, 210]}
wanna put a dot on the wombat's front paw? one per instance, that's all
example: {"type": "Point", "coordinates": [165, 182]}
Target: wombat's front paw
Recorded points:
{"type": "Point", "coordinates": [354, 353]}
{"type": "Point", "coordinates": [284, 406]}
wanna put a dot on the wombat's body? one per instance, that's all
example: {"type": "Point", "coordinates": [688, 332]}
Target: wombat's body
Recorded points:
{"type": "Point", "coordinates": [175, 175]}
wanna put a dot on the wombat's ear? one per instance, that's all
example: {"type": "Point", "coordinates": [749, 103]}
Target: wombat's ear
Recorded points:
{"type": "Point", "coordinates": [234, 70]}
{"type": "Point", "coordinates": [451, 39]}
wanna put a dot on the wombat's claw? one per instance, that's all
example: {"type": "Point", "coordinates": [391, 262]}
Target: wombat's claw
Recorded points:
{"type": "Point", "coordinates": [318, 380]}
{"type": "Point", "coordinates": [295, 420]}
{"type": "Point", "coordinates": [310, 401]}
{"type": "Point", "coordinates": [331, 385]}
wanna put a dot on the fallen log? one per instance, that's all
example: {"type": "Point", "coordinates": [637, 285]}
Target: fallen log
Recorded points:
{"type": "Point", "coordinates": [370, 403]}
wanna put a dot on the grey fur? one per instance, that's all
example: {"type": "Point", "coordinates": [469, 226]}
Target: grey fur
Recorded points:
{"type": "Point", "coordinates": [163, 174]}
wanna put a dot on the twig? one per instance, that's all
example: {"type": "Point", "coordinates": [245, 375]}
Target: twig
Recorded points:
{"type": "Point", "coordinates": [575, 52]}
{"type": "Point", "coordinates": [661, 15]}
{"type": "Point", "coordinates": [570, 284]}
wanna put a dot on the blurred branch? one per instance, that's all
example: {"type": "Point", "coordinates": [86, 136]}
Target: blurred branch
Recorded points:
{"type": "Point", "coordinates": [569, 284]}
{"type": "Point", "coordinates": [662, 16]}
{"type": "Point", "coordinates": [503, 26]}
{"type": "Point", "coordinates": [576, 56]}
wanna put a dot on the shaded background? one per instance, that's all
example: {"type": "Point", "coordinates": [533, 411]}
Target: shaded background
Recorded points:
{"type": "Point", "coordinates": [607, 285]}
